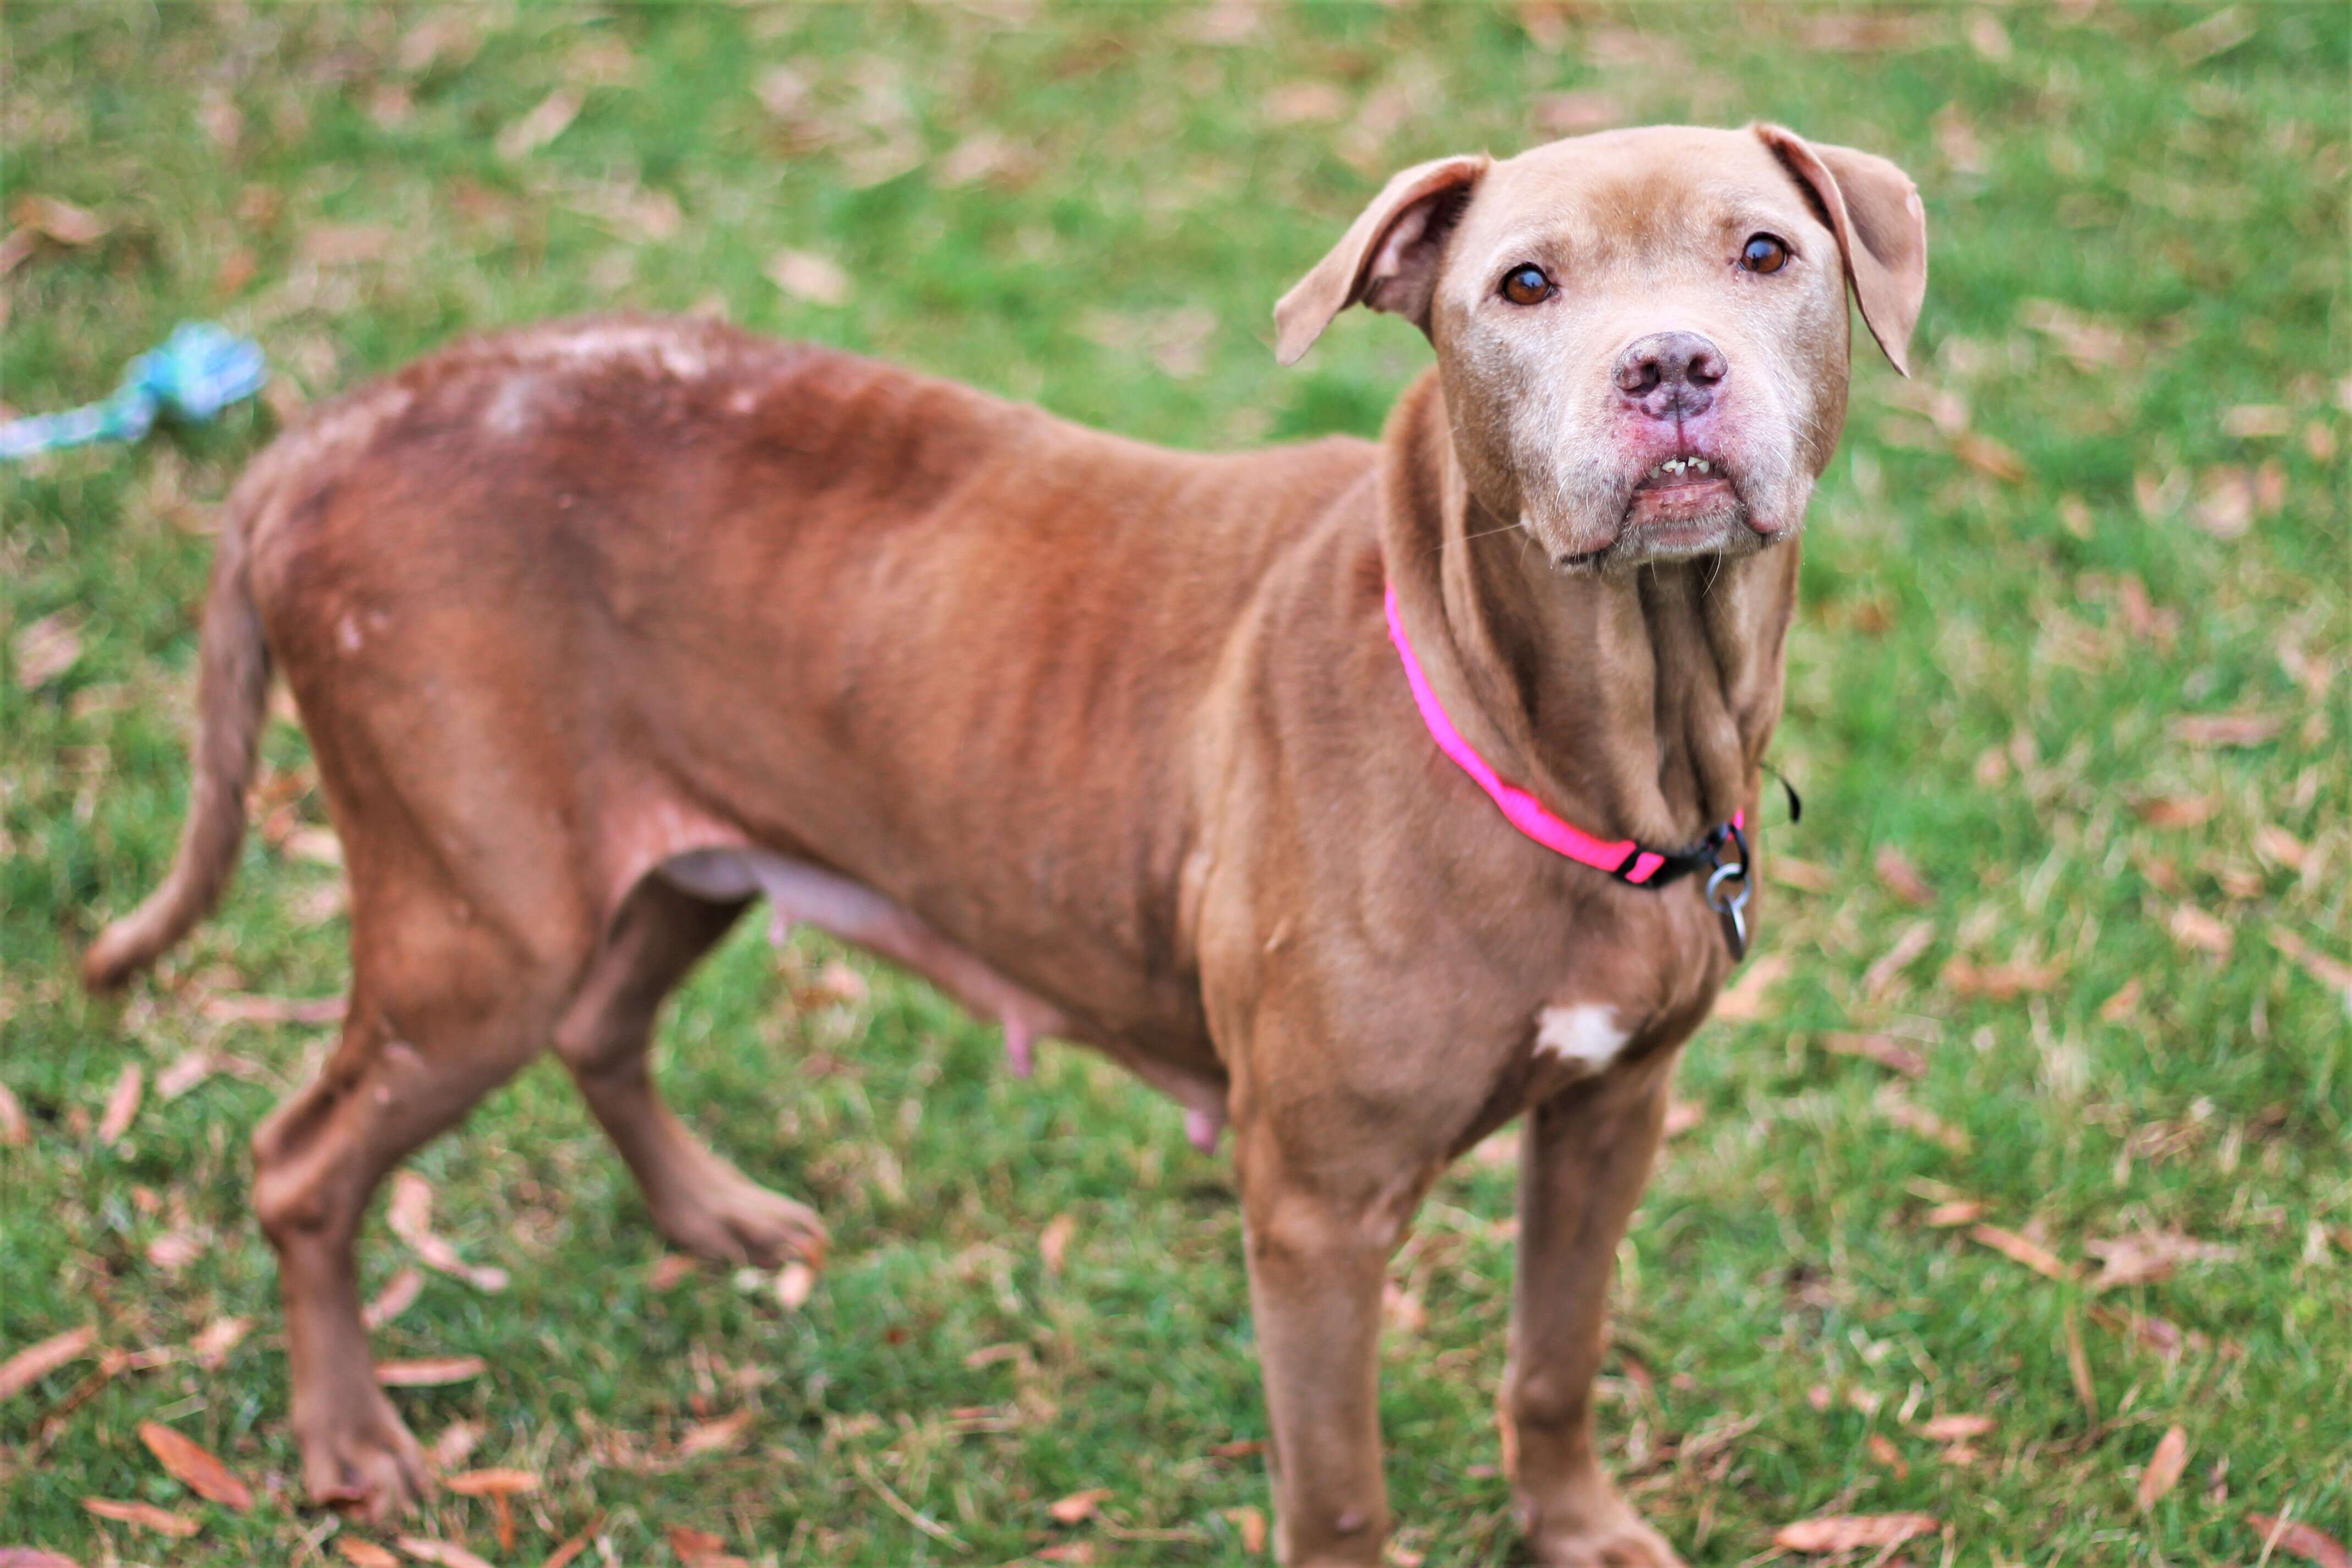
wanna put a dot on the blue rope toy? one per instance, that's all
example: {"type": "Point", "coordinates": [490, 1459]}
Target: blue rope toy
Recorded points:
{"type": "Point", "coordinates": [200, 370]}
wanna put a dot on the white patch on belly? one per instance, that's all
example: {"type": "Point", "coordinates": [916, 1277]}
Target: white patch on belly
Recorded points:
{"type": "Point", "coordinates": [1580, 1034]}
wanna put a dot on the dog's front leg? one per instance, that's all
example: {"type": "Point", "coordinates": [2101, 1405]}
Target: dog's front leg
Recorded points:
{"type": "Point", "coordinates": [1588, 1153]}
{"type": "Point", "coordinates": [1318, 1235]}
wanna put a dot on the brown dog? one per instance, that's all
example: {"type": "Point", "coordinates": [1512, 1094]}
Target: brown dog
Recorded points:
{"type": "Point", "coordinates": [601, 629]}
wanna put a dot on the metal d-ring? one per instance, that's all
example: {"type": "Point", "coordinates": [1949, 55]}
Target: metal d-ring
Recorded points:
{"type": "Point", "coordinates": [1729, 906]}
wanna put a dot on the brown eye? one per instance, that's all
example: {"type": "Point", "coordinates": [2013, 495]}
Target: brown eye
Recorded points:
{"type": "Point", "coordinates": [1527, 286]}
{"type": "Point", "coordinates": [1764, 253]}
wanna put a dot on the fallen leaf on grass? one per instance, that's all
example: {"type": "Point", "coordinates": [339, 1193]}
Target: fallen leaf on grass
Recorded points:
{"type": "Point", "coordinates": [2195, 929]}
{"type": "Point", "coordinates": [59, 221]}
{"type": "Point", "coordinates": [2164, 1466]}
{"type": "Point", "coordinates": [344, 244]}
{"type": "Point", "coordinates": [311, 1012]}
{"type": "Point", "coordinates": [1304, 103]}
{"type": "Point", "coordinates": [14, 1130]}
{"type": "Point", "coordinates": [411, 1217]}
{"type": "Point", "coordinates": [710, 1436]}
{"type": "Point", "coordinates": [1578, 113]}
{"type": "Point", "coordinates": [1053, 1241]}
{"type": "Point", "coordinates": [2150, 1256]}
{"type": "Point", "coordinates": [1681, 1115]}
{"type": "Point", "coordinates": [2297, 1539]}
{"type": "Point", "coordinates": [2118, 1007]}
{"type": "Point", "coordinates": [1899, 876]}
{"type": "Point", "coordinates": [175, 1249]}
{"type": "Point", "coordinates": [34, 1557]}
{"type": "Point", "coordinates": [2018, 1250]}
{"type": "Point", "coordinates": [191, 1068]}
{"type": "Point", "coordinates": [194, 1468]}
{"type": "Point", "coordinates": [1884, 1049]}
{"type": "Point", "coordinates": [1802, 875]}
{"type": "Point", "coordinates": [1250, 1525]}
{"type": "Point", "coordinates": [544, 123]}
{"type": "Point", "coordinates": [399, 1293]}
{"type": "Point", "coordinates": [1958, 1212]}
{"type": "Point", "coordinates": [2176, 810]}
{"type": "Point", "coordinates": [1953, 1428]}
{"type": "Point", "coordinates": [46, 649]}
{"type": "Point", "coordinates": [1239, 1448]}
{"type": "Point", "coordinates": [493, 1482]}
{"type": "Point", "coordinates": [430, 1371]}
{"type": "Point", "coordinates": [1079, 1507]}
{"type": "Point", "coordinates": [576, 1545]}
{"type": "Point", "coordinates": [1746, 1000]}
{"type": "Point", "coordinates": [2226, 729]}
{"type": "Point", "coordinates": [2001, 982]}
{"type": "Point", "coordinates": [455, 1444]}
{"type": "Point", "coordinates": [670, 1270]}
{"type": "Point", "coordinates": [1892, 1104]}
{"type": "Point", "coordinates": [795, 1282]}
{"type": "Point", "coordinates": [1988, 456]}
{"type": "Point", "coordinates": [145, 1515]}
{"type": "Point", "coordinates": [1914, 940]}
{"type": "Point", "coordinates": [441, 1554]}
{"type": "Point", "coordinates": [1883, 1451]}
{"type": "Point", "coordinates": [2280, 847]}
{"type": "Point", "coordinates": [699, 1548]}
{"type": "Point", "coordinates": [1848, 1532]}
{"type": "Point", "coordinates": [212, 1345]}
{"type": "Point", "coordinates": [2334, 974]}
{"type": "Point", "coordinates": [364, 1553]}
{"type": "Point", "coordinates": [36, 1362]}
{"type": "Point", "coordinates": [123, 1104]}
{"type": "Point", "coordinates": [804, 275]}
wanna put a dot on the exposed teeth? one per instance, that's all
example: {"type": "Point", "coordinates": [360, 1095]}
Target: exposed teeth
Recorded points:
{"type": "Point", "coordinates": [1680, 465]}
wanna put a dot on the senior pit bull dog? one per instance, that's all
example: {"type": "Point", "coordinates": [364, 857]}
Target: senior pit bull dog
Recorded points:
{"type": "Point", "coordinates": [1364, 794]}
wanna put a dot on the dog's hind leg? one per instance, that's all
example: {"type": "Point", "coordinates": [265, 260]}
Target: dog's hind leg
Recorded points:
{"type": "Point", "coordinates": [698, 1200]}
{"type": "Point", "coordinates": [442, 1010]}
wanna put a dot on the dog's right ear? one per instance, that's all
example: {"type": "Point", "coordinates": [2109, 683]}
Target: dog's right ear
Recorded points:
{"type": "Point", "coordinates": [1387, 259]}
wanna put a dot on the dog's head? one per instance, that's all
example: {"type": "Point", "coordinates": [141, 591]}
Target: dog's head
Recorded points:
{"type": "Point", "coordinates": [1642, 335]}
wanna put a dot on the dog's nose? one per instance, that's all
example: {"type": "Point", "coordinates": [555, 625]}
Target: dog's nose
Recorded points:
{"type": "Point", "coordinates": [1671, 375]}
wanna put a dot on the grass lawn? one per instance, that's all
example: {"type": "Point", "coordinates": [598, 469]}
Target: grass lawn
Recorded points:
{"type": "Point", "coordinates": [2057, 959]}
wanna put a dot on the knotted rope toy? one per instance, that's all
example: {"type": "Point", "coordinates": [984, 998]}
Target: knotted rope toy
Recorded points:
{"type": "Point", "coordinates": [200, 370]}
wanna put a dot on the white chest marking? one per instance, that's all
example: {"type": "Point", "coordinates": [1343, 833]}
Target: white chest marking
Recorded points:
{"type": "Point", "coordinates": [1580, 1034]}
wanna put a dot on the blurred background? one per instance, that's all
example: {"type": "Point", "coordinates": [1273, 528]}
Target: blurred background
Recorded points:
{"type": "Point", "coordinates": [2013, 1184]}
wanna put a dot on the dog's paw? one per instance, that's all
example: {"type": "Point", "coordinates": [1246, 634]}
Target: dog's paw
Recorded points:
{"type": "Point", "coordinates": [1604, 1534]}
{"type": "Point", "coordinates": [361, 1460]}
{"type": "Point", "coordinates": [735, 1220]}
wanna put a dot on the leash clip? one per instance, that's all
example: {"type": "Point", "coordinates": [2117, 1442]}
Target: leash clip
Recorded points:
{"type": "Point", "coordinates": [1730, 905]}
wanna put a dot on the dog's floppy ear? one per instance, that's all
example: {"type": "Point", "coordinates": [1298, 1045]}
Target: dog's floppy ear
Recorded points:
{"type": "Point", "coordinates": [1387, 259]}
{"type": "Point", "coordinates": [1881, 228]}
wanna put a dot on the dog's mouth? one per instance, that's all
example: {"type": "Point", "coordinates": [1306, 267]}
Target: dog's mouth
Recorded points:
{"type": "Point", "coordinates": [1679, 489]}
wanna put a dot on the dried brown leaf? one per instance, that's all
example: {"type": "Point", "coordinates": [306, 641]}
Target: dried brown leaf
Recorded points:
{"type": "Point", "coordinates": [1988, 456]}
{"type": "Point", "coordinates": [1249, 1524]}
{"type": "Point", "coordinates": [1884, 1049]}
{"type": "Point", "coordinates": [1681, 1115]}
{"type": "Point", "coordinates": [399, 1294]}
{"type": "Point", "coordinates": [713, 1436]}
{"type": "Point", "coordinates": [212, 1345]}
{"type": "Point", "coordinates": [544, 124]}
{"type": "Point", "coordinates": [1899, 876]}
{"type": "Point", "coordinates": [1305, 103]}
{"type": "Point", "coordinates": [1909, 943]}
{"type": "Point", "coordinates": [1748, 998]}
{"type": "Point", "coordinates": [804, 275]}
{"type": "Point", "coordinates": [2297, 1539]}
{"type": "Point", "coordinates": [123, 1104]}
{"type": "Point", "coordinates": [145, 1515]}
{"type": "Point", "coordinates": [2150, 1256]}
{"type": "Point", "coordinates": [14, 1130]}
{"type": "Point", "coordinates": [2002, 982]}
{"type": "Point", "coordinates": [2019, 1250]}
{"type": "Point", "coordinates": [1958, 1212]}
{"type": "Point", "coordinates": [1802, 875]}
{"type": "Point", "coordinates": [494, 1482]}
{"type": "Point", "coordinates": [46, 649]}
{"type": "Point", "coordinates": [59, 221]}
{"type": "Point", "coordinates": [34, 1557]}
{"type": "Point", "coordinates": [36, 1361]}
{"type": "Point", "coordinates": [1954, 1428]}
{"type": "Point", "coordinates": [2194, 928]}
{"type": "Point", "coordinates": [1053, 1241]}
{"type": "Point", "coordinates": [194, 1468]}
{"type": "Point", "coordinates": [2227, 729]}
{"type": "Point", "coordinates": [441, 1554]}
{"type": "Point", "coordinates": [1079, 1507]}
{"type": "Point", "coordinates": [1850, 1532]}
{"type": "Point", "coordinates": [364, 1553]}
{"type": "Point", "coordinates": [2331, 973]}
{"type": "Point", "coordinates": [2176, 810]}
{"type": "Point", "coordinates": [2164, 1466]}
{"type": "Point", "coordinates": [430, 1371]}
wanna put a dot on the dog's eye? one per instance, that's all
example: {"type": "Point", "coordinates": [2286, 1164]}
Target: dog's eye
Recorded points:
{"type": "Point", "coordinates": [1764, 253]}
{"type": "Point", "coordinates": [1527, 286]}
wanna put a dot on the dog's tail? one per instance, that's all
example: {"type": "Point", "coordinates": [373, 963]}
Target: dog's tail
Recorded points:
{"type": "Point", "coordinates": [232, 692]}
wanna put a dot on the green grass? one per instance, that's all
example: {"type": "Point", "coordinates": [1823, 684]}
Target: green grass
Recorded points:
{"type": "Point", "coordinates": [1967, 687]}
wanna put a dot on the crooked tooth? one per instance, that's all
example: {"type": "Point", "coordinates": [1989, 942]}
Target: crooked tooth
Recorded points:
{"type": "Point", "coordinates": [1700, 464]}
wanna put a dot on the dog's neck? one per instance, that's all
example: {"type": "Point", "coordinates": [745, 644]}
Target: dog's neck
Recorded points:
{"type": "Point", "coordinates": [1635, 703]}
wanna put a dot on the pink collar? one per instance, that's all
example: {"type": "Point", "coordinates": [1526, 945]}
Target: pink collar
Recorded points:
{"type": "Point", "coordinates": [1622, 858]}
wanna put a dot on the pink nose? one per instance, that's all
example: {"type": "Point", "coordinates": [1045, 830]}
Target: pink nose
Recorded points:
{"type": "Point", "coordinates": [1671, 375]}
